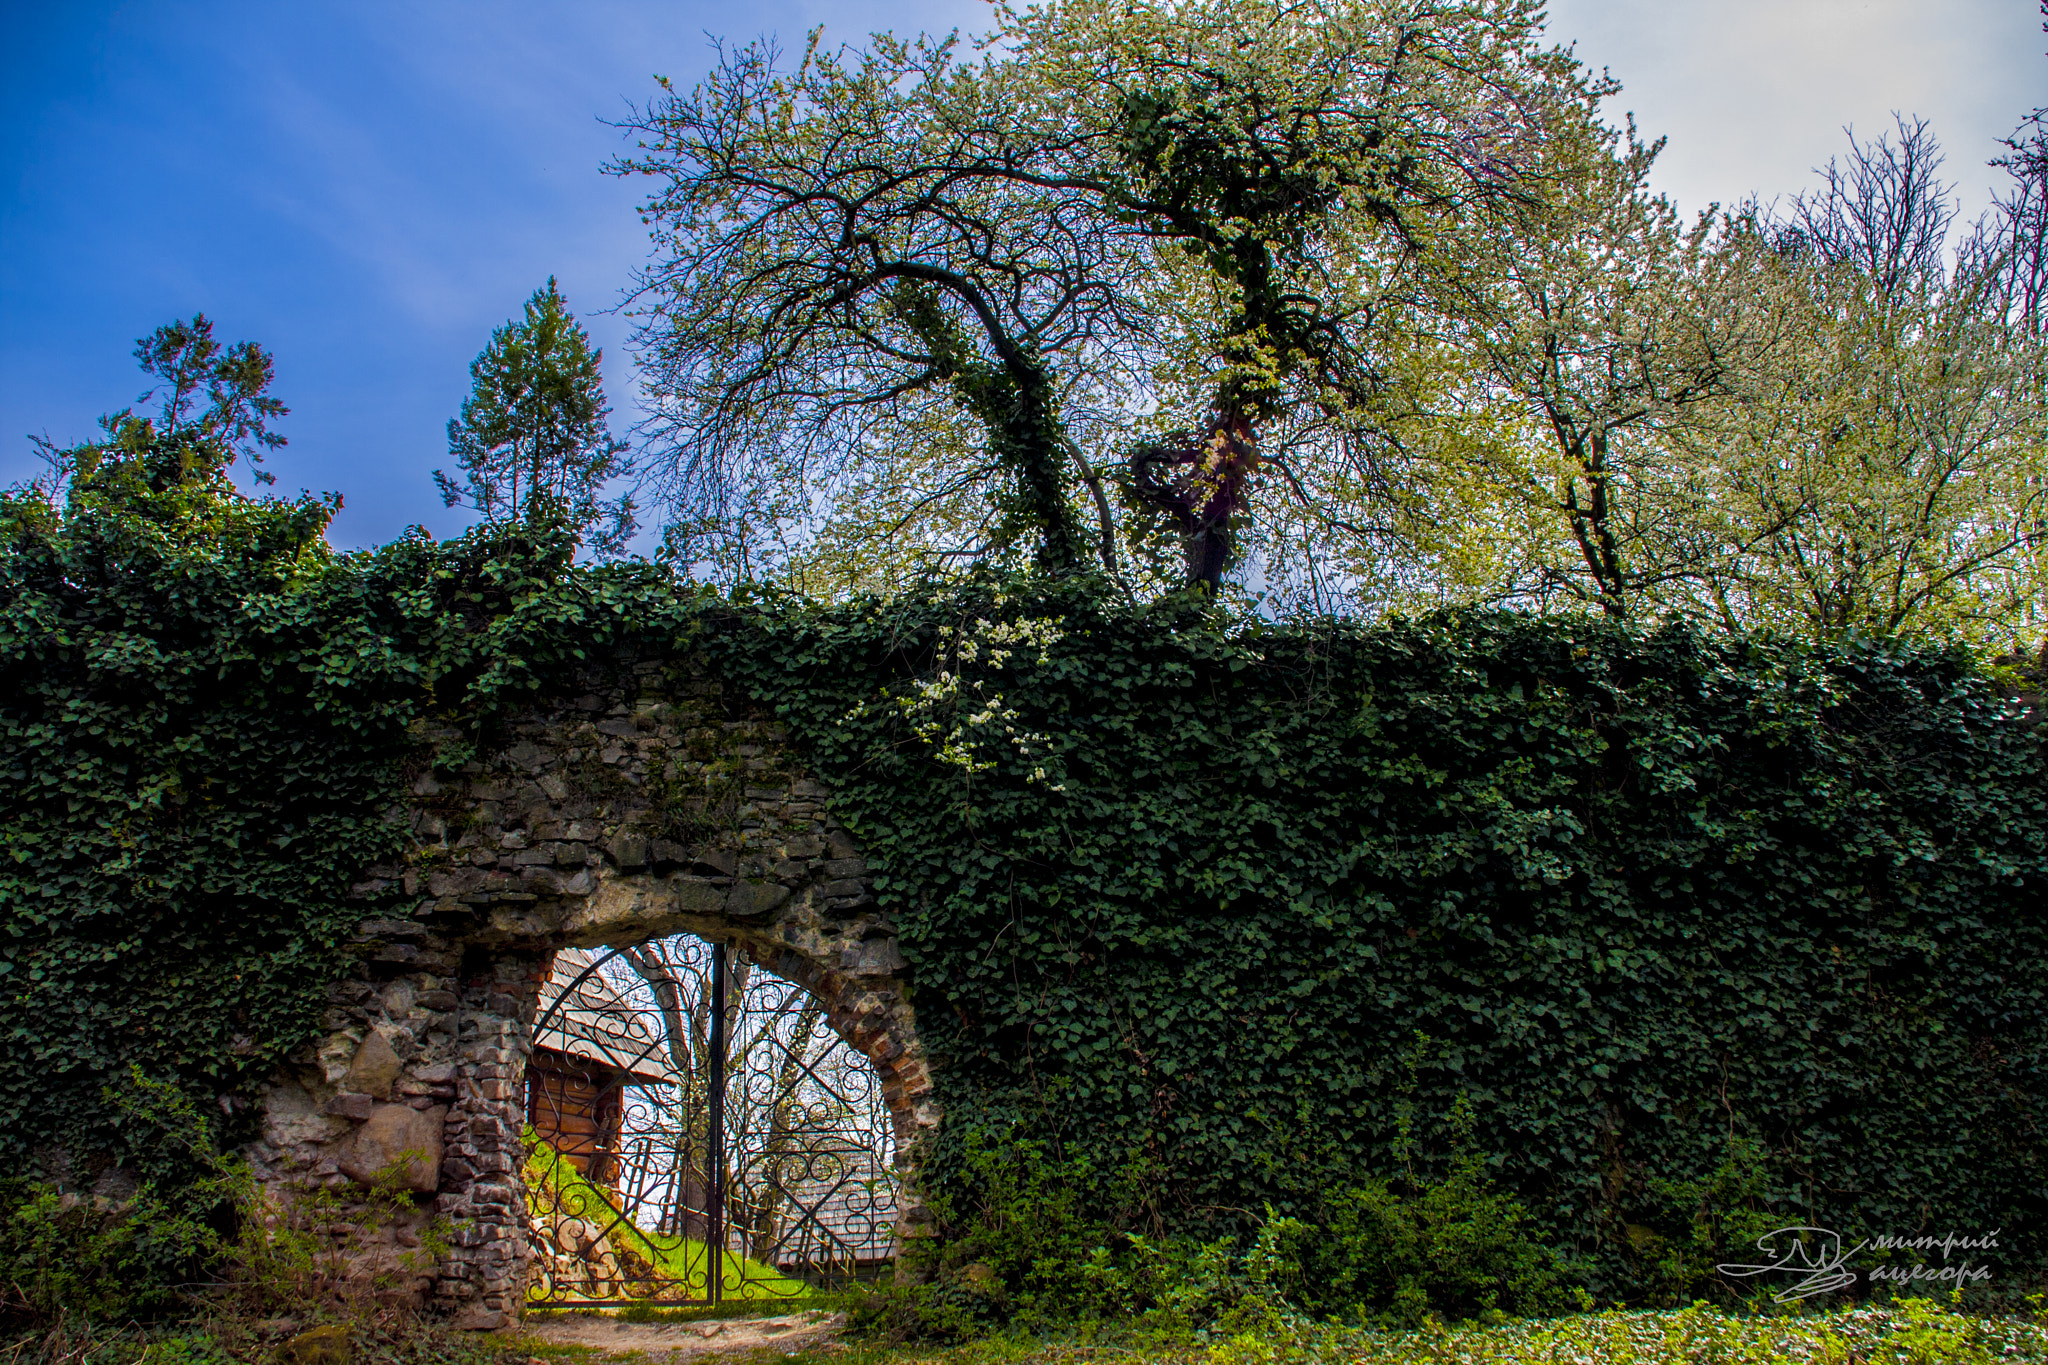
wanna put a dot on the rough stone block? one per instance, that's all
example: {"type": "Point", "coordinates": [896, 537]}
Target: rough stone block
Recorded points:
{"type": "Point", "coordinates": [357, 1107]}
{"type": "Point", "coordinates": [877, 958]}
{"type": "Point", "coordinates": [391, 928]}
{"type": "Point", "coordinates": [694, 897]}
{"type": "Point", "coordinates": [397, 1135]}
{"type": "Point", "coordinates": [327, 1344]}
{"type": "Point", "coordinates": [375, 1066]}
{"type": "Point", "coordinates": [528, 755]}
{"type": "Point", "coordinates": [751, 900]}
{"type": "Point", "coordinates": [716, 862]}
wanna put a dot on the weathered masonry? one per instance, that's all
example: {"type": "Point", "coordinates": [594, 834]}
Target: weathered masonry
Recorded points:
{"type": "Point", "coordinates": [635, 810]}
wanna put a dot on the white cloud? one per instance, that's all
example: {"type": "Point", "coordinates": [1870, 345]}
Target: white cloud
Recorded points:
{"type": "Point", "coordinates": [1754, 94]}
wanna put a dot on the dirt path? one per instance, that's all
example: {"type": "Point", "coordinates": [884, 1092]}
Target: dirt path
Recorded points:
{"type": "Point", "coordinates": [661, 1342]}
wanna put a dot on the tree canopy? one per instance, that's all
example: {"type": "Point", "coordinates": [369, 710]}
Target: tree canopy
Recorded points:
{"type": "Point", "coordinates": [1110, 220]}
{"type": "Point", "coordinates": [1344, 306]}
{"type": "Point", "coordinates": [1358, 301]}
{"type": "Point", "coordinates": [167, 476]}
{"type": "Point", "coordinates": [533, 443]}
{"type": "Point", "coordinates": [1360, 304]}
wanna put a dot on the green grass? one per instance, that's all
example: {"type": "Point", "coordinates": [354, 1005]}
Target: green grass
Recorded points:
{"type": "Point", "coordinates": [551, 1181]}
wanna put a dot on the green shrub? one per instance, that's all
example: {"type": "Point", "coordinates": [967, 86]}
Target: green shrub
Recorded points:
{"type": "Point", "coordinates": [1682, 1229]}
{"type": "Point", "coordinates": [387, 1338]}
{"type": "Point", "coordinates": [186, 1348]}
{"type": "Point", "coordinates": [1459, 1250]}
{"type": "Point", "coordinates": [1028, 1241]}
{"type": "Point", "coordinates": [214, 1240]}
{"type": "Point", "coordinates": [1188, 887]}
{"type": "Point", "coordinates": [1166, 883]}
{"type": "Point", "coordinates": [1013, 1238]}
{"type": "Point", "coordinates": [65, 1254]}
{"type": "Point", "coordinates": [1934, 1335]}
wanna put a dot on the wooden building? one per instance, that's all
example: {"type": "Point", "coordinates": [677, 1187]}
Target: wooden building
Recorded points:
{"type": "Point", "coordinates": [589, 1051]}
{"type": "Point", "coordinates": [841, 1219]}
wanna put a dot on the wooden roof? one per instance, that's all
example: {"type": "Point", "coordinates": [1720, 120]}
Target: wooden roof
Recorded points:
{"type": "Point", "coordinates": [597, 1025]}
{"type": "Point", "coordinates": [848, 1214]}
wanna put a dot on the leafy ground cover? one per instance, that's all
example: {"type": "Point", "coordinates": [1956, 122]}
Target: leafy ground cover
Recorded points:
{"type": "Point", "coordinates": [1907, 1332]}
{"type": "Point", "coordinates": [1913, 1332]}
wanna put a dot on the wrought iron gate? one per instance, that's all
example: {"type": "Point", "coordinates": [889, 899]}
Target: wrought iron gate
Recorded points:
{"type": "Point", "coordinates": [682, 1102]}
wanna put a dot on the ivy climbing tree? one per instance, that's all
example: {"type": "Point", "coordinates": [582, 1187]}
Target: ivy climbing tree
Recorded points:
{"type": "Point", "coordinates": [1190, 221]}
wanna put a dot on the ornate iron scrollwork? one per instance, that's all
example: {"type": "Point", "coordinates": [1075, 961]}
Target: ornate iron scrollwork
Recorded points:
{"type": "Point", "coordinates": [680, 1098]}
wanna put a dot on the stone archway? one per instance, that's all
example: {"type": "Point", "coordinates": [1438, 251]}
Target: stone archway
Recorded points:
{"type": "Point", "coordinates": [636, 810]}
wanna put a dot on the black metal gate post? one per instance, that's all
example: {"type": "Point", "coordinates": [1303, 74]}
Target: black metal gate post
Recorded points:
{"type": "Point", "coordinates": [714, 1156]}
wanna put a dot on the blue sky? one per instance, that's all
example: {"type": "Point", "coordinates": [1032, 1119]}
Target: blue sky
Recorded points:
{"type": "Point", "coordinates": [367, 189]}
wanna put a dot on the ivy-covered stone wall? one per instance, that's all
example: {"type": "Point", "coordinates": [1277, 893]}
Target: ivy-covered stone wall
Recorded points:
{"type": "Point", "coordinates": [633, 808]}
{"type": "Point", "coordinates": [1235, 913]}
{"type": "Point", "coordinates": [1698, 930]}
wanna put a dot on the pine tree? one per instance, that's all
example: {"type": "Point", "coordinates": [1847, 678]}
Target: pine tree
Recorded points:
{"type": "Point", "coordinates": [532, 443]}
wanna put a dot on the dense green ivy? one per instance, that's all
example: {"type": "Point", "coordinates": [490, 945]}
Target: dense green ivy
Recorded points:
{"type": "Point", "coordinates": [1239, 907]}
{"type": "Point", "coordinates": [1228, 909]}
{"type": "Point", "coordinates": [200, 739]}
